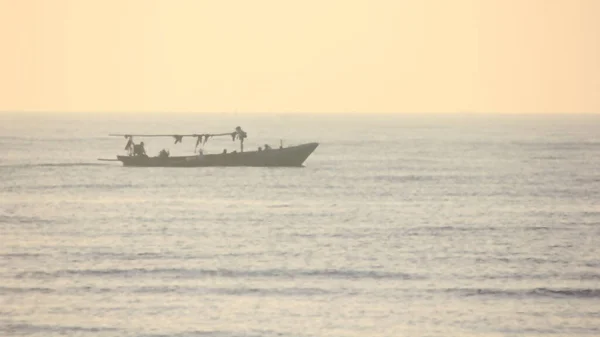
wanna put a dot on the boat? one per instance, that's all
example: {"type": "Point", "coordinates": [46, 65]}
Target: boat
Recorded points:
{"type": "Point", "coordinates": [290, 156]}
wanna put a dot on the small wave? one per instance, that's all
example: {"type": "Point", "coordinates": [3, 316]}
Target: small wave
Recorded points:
{"type": "Point", "coordinates": [458, 228]}
{"type": "Point", "coordinates": [427, 230]}
{"type": "Point", "coordinates": [52, 165]}
{"type": "Point", "coordinates": [81, 186]}
{"type": "Point", "coordinates": [537, 228]}
{"type": "Point", "coordinates": [307, 235]}
{"type": "Point", "coordinates": [440, 230]}
{"type": "Point", "coordinates": [548, 157]}
{"type": "Point", "coordinates": [24, 328]}
{"type": "Point", "coordinates": [554, 146]}
{"type": "Point", "coordinates": [275, 291]}
{"type": "Point", "coordinates": [537, 292]}
{"type": "Point", "coordinates": [516, 276]}
{"type": "Point", "coordinates": [15, 290]}
{"type": "Point", "coordinates": [228, 273]}
{"type": "Point", "coordinates": [280, 206]}
{"type": "Point", "coordinates": [69, 164]}
{"type": "Point", "coordinates": [13, 219]}
{"type": "Point", "coordinates": [20, 255]}
{"type": "Point", "coordinates": [233, 291]}
{"type": "Point", "coordinates": [410, 177]}
{"type": "Point", "coordinates": [295, 291]}
{"type": "Point", "coordinates": [547, 331]}
{"type": "Point", "coordinates": [217, 333]}
{"type": "Point", "coordinates": [585, 276]}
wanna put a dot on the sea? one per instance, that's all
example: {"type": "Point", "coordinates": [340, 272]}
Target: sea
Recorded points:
{"type": "Point", "coordinates": [467, 224]}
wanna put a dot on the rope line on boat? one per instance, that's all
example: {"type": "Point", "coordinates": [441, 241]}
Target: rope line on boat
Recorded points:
{"type": "Point", "coordinates": [201, 137]}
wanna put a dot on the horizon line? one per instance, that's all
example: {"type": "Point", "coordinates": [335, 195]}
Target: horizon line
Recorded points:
{"type": "Point", "coordinates": [466, 112]}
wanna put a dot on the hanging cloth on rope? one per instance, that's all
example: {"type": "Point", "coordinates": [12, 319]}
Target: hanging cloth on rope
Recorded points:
{"type": "Point", "coordinates": [198, 141]}
{"type": "Point", "coordinates": [241, 133]}
{"type": "Point", "coordinates": [202, 139]}
{"type": "Point", "coordinates": [178, 138]}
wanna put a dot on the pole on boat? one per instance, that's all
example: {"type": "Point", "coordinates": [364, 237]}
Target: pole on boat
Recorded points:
{"type": "Point", "coordinates": [241, 134]}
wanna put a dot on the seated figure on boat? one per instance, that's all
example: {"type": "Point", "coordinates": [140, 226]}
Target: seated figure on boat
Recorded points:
{"type": "Point", "coordinates": [138, 150]}
{"type": "Point", "coordinates": [164, 153]}
{"type": "Point", "coordinates": [267, 147]}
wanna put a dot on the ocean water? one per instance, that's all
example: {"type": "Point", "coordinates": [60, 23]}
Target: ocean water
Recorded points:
{"type": "Point", "coordinates": [398, 225]}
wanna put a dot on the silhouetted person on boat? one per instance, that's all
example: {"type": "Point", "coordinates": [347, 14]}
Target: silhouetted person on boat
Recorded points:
{"type": "Point", "coordinates": [138, 150]}
{"type": "Point", "coordinates": [164, 153]}
{"type": "Point", "coordinates": [267, 147]}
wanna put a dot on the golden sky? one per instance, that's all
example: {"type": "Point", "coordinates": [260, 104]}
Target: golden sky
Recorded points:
{"type": "Point", "coordinates": [300, 56]}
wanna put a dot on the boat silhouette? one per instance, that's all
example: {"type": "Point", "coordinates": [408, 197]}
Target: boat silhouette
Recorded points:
{"type": "Point", "coordinates": [291, 156]}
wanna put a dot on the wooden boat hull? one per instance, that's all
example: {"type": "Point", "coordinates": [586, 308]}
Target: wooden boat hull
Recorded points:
{"type": "Point", "coordinates": [292, 156]}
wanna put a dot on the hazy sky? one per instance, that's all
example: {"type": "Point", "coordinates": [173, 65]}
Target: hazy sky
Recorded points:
{"type": "Point", "coordinates": [300, 56]}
